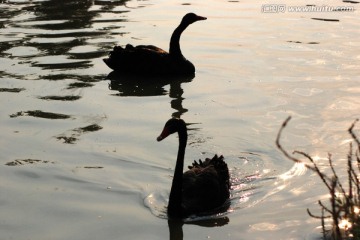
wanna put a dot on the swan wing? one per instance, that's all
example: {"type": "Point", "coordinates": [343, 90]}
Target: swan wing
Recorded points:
{"type": "Point", "coordinates": [142, 59]}
{"type": "Point", "coordinates": [150, 48]}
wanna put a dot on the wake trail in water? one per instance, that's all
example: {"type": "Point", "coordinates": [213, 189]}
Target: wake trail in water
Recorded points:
{"type": "Point", "coordinates": [247, 190]}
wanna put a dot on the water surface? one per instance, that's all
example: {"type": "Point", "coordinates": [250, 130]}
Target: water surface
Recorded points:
{"type": "Point", "coordinates": [78, 155]}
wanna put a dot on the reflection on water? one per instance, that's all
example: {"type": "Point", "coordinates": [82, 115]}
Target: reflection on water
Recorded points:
{"type": "Point", "coordinates": [16, 90]}
{"type": "Point", "coordinates": [71, 136]}
{"type": "Point", "coordinates": [61, 98]}
{"type": "Point", "coordinates": [40, 114]}
{"type": "Point", "coordinates": [142, 86]}
{"type": "Point", "coordinates": [176, 231]}
{"type": "Point", "coordinates": [52, 35]}
{"type": "Point", "coordinates": [18, 162]}
{"type": "Point", "coordinates": [156, 202]}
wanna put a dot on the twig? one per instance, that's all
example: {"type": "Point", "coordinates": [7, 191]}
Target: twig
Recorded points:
{"type": "Point", "coordinates": [353, 134]}
{"type": "Point", "coordinates": [316, 169]}
{"type": "Point", "coordinates": [334, 173]}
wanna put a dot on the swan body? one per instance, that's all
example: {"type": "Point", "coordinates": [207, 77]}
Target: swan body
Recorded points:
{"type": "Point", "coordinates": [151, 60]}
{"type": "Point", "coordinates": [204, 187]}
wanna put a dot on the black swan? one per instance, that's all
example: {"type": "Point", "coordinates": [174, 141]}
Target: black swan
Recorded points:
{"type": "Point", "coordinates": [151, 60]}
{"type": "Point", "coordinates": [204, 187]}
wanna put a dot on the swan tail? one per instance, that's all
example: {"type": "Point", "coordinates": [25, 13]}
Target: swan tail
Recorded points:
{"type": "Point", "coordinates": [119, 51]}
{"type": "Point", "coordinates": [115, 58]}
{"type": "Point", "coordinates": [222, 169]}
{"type": "Point", "coordinates": [128, 59]}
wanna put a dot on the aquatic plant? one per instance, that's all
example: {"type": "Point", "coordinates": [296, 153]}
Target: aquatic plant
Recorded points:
{"type": "Point", "coordinates": [344, 203]}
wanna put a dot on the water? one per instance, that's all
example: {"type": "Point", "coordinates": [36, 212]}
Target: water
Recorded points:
{"type": "Point", "coordinates": [79, 159]}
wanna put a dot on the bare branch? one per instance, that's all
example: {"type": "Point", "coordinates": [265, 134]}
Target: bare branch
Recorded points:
{"type": "Point", "coordinates": [334, 173]}
{"type": "Point", "coordinates": [323, 177]}
{"type": "Point", "coordinates": [353, 134]}
{"type": "Point", "coordinates": [325, 208]}
{"type": "Point", "coordinates": [318, 217]}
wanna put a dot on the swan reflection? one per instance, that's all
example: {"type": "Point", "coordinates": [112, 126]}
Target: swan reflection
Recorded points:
{"type": "Point", "coordinates": [147, 86]}
{"type": "Point", "coordinates": [176, 231]}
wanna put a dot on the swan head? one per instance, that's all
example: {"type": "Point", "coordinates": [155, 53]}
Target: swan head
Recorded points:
{"type": "Point", "coordinates": [173, 125]}
{"type": "Point", "coordinates": [191, 18]}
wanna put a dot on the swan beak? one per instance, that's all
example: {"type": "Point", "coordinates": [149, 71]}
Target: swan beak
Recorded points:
{"type": "Point", "coordinates": [199, 18]}
{"type": "Point", "coordinates": [163, 135]}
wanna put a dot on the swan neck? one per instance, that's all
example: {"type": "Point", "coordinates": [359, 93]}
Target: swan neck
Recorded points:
{"type": "Point", "coordinates": [175, 199]}
{"type": "Point", "coordinates": [175, 50]}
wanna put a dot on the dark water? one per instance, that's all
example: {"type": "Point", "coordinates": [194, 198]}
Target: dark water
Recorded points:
{"type": "Point", "coordinates": [78, 156]}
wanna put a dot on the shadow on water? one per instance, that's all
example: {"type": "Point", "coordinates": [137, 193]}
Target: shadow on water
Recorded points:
{"type": "Point", "coordinates": [145, 86]}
